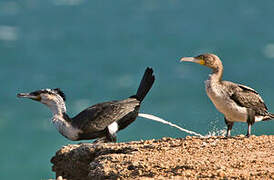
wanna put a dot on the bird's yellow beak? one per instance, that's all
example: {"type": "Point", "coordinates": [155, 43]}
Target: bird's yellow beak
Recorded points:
{"type": "Point", "coordinates": [193, 59]}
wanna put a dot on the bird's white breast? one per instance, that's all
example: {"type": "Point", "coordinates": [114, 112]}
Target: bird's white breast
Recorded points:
{"type": "Point", "coordinates": [219, 96]}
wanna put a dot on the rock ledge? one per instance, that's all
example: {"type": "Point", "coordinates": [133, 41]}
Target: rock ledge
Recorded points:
{"type": "Point", "coordinates": [168, 158]}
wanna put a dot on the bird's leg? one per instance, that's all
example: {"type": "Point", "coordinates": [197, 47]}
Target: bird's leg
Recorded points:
{"type": "Point", "coordinates": [229, 127]}
{"type": "Point", "coordinates": [250, 120]}
{"type": "Point", "coordinates": [248, 130]}
{"type": "Point", "coordinates": [111, 137]}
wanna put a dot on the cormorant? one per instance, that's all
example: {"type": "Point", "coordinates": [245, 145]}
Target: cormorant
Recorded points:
{"type": "Point", "coordinates": [100, 121]}
{"type": "Point", "coordinates": [237, 102]}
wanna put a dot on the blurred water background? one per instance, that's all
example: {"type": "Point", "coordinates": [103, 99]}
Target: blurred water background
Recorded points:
{"type": "Point", "coordinates": [97, 51]}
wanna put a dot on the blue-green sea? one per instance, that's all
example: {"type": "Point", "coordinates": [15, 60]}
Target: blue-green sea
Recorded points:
{"type": "Point", "coordinates": [97, 51]}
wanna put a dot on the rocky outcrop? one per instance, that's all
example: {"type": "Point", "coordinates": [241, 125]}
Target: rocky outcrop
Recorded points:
{"type": "Point", "coordinates": [168, 158]}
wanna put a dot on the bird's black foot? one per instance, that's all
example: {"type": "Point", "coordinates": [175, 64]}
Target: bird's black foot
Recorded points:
{"type": "Point", "coordinates": [108, 138]}
{"type": "Point", "coordinates": [228, 136]}
{"type": "Point", "coordinates": [100, 140]}
{"type": "Point", "coordinates": [111, 137]}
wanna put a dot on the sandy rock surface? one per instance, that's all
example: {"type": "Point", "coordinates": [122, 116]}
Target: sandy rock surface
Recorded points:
{"type": "Point", "coordinates": [168, 158]}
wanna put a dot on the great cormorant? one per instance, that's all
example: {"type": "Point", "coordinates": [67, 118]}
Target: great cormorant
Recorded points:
{"type": "Point", "coordinates": [237, 102]}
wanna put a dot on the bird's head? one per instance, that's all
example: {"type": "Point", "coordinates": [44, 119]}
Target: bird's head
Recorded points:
{"type": "Point", "coordinates": [210, 60]}
{"type": "Point", "coordinates": [45, 96]}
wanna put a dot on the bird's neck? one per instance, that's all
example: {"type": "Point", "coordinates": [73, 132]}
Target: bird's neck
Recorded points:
{"type": "Point", "coordinates": [57, 107]}
{"type": "Point", "coordinates": [59, 111]}
{"type": "Point", "coordinates": [217, 74]}
{"type": "Point", "coordinates": [62, 121]}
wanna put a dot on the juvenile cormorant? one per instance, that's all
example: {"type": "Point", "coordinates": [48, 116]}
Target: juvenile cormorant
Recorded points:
{"type": "Point", "coordinates": [100, 121]}
{"type": "Point", "coordinates": [237, 102]}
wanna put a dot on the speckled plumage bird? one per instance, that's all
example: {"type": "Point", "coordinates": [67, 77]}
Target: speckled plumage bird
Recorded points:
{"type": "Point", "coordinates": [237, 102]}
{"type": "Point", "coordinates": [101, 121]}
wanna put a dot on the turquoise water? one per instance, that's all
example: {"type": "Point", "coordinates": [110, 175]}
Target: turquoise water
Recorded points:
{"type": "Point", "coordinates": [98, 50]}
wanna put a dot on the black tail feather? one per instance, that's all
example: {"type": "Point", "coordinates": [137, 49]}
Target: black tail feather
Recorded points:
{"type": "Point", "coordinates": [145, 85]}
{"type": "Point", "coordinates": [270, 116]}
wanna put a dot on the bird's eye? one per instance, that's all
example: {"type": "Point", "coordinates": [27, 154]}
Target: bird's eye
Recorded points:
{"type": "Point", "coordinates": [35, 93]}
{"type": "Point", "coordinates": [201, 57]}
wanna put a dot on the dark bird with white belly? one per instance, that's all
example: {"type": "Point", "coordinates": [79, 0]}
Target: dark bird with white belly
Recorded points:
{"type": "Point", "coordinates": [101, 121]}
{"type": "Point", "coordinates": [237, 102]}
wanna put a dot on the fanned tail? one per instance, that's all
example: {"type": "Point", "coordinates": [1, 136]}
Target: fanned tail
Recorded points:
{"type": "Point", "coordinates": [145, 84]}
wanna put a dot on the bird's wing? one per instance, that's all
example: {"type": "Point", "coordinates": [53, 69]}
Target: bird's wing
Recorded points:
{"type": "Point", "coordinates": [247, 97]}
{"type": "Point", "coordinates": [99, 116]}
{"type": "Point", "coordinates": [246, 88]}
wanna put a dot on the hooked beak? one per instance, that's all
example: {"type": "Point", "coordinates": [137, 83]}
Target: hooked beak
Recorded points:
{"type": "Point", "coordinates": [28, 95]}
{"type": "Point", "coordinates": [193, 59]}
